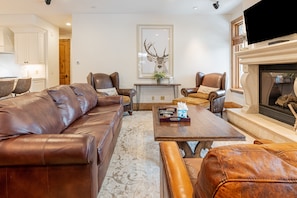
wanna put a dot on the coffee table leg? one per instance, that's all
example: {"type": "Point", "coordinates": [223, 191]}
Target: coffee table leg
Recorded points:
{"type": "Point", "coordinates": [186, 148]}
{"type": "Point", "coordinates": [202, 145]}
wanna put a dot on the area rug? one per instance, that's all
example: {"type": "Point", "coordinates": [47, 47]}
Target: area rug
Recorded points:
{"type": "Point", "coordinates": [134, 168]}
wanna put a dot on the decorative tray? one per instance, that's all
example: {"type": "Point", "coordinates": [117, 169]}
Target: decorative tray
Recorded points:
{"type": "Point", "coordinates": [169, 114]}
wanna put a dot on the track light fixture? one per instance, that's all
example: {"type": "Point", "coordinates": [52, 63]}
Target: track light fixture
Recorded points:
{"type": "Point", "coordinates": [216, 5]}
{"type": "Point", "coordinates": [47, 2]}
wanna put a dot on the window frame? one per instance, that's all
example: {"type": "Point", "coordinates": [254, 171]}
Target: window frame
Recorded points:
{"type": "Point", "coordinates": [238, 40]}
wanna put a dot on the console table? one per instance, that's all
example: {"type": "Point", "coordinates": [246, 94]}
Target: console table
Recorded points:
{"type": "Point", "coordinates": [139, 85]}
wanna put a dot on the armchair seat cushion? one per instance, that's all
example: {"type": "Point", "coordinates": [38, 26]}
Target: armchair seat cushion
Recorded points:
{"type": "Point", "coordinates": [192, 100]}
{"type": "Point", "coordinates": [126, 100]}
{"type": "Point", "coordinates": [199, 95]}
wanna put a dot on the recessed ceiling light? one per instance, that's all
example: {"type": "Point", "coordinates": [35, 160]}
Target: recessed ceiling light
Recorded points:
{"type": "Point", "coordinates": [68, 24]}
{"type": "Point", "coordinates": [195, 8]}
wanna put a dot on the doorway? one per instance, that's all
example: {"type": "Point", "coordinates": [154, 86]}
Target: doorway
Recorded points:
{"type": "Point", "coordinates": [64, 61]}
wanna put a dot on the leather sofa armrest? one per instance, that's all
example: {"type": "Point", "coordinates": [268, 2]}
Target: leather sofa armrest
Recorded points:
{"type": "Point", "coordinates": [177, 177]}
{"type": "Point", "coordinates": [109, 100]}
{"type": "Point", "coordinates": [48, 149]}
{"type": "Point", "coordinates": [186, 91]}
{"type": "Point", "coordinates": [127, 92]}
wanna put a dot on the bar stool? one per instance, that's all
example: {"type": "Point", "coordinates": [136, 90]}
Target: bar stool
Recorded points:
{"type": "Point", "coordinates": [6, 88]}
{"type": "Point", "coordinates": [23, 85]}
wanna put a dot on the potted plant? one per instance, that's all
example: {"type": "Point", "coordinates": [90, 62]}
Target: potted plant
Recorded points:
{"type": "Point", "coordinates": [159, 76]}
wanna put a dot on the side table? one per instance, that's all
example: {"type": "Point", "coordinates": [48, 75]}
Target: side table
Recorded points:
{"type": "Point", "coordinates": [138, 86]}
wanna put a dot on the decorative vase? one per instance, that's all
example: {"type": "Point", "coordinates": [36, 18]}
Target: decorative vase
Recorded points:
{"type": "Point", "coordinates": [159, 80]}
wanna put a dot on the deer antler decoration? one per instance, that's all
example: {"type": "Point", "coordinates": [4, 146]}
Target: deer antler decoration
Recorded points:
{"type": "Point", "coordinates": [154, 57]}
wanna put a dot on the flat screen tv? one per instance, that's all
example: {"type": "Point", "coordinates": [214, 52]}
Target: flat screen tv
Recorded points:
{"type": "Point", "coordinates": [269, 19]}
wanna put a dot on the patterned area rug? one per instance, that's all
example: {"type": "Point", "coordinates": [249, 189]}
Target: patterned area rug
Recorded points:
{"type": "Point", "coordinates": [134, 168]}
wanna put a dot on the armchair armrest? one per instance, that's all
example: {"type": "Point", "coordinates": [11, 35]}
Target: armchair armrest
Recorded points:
{"type": "Point", "coordinates": [217, 100]}
{"type": "Point", "coordinates": [174, 172]}
{"type": "Point", "coordinates": [186, 91]}
{"type": "Point", "coordinates": [127, 92]}
{"type": "Point", "coordinates": [48, 149]}
{"type": "Point", "coordinates": [216, 94]}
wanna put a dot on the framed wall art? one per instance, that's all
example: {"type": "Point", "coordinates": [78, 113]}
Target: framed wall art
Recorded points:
{"type": "Point", "coordinates": [154, 50]}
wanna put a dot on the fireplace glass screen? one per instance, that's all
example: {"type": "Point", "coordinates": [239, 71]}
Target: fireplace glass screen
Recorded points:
{"type": "Point", "coordinates": [276, 91]}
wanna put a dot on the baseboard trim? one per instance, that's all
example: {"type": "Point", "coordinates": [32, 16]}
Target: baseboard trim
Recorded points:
{"type": "Point", "coordinates": [148, 106]}
{"type": "Point", "coordinates": [232, 105]}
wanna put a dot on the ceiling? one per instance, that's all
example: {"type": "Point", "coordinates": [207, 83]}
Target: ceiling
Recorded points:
{"type": "Point", "coordinates": [60, 11]}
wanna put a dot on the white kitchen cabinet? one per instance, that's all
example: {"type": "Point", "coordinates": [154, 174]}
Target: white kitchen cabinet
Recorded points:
{"type": "Point", "coordinates": [6, 40]}
{"type": "Point", "coordinates": [37, 84]}
{"type": "Point", "coordinates": [29, 47]}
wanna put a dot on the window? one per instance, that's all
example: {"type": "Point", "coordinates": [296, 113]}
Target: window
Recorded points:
{"type": "Point", "coordinates": [238, 40]}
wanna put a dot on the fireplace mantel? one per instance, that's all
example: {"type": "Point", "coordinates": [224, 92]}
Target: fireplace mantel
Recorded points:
{"type": "Point", "coordinates": [285, 52]}
{"type": "Point", "coordinates": [251, 58]}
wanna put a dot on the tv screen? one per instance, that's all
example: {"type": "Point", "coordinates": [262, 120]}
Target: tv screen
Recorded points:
{"type": "Point", "coordinates": [269, 19]}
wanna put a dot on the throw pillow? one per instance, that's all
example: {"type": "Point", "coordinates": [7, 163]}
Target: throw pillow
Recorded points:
{"type": "Point", "coordinates": [108, 91]}
{"type": "Point", "coordinates": [207, 90]}
{"type": "Point", "coordinates": [67, 103]}
{"type": "Point", "coordinates": [86, 96]}
{"type": "Point", "coordinates": [33, 113]}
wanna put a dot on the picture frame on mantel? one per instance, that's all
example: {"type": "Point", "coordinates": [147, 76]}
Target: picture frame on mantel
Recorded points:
{"type": "Point", "coordinates": [154, 50]}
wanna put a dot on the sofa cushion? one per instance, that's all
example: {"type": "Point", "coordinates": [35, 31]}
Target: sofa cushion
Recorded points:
{"type": "Point", "coordinates": [66, 102]}
{"type": "Point", "coordinates": [103, 137]}
{"type": "Point", "coordinates": [33, 113]}
{"type": "Point", "coordinates": [86, 96]}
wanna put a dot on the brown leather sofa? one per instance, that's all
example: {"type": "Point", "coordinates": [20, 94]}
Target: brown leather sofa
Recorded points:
{"type": "Point", "coordinates": [237, 171]}
{"type": "Point", "coordinates": [211, 99]}
{"type": "Point", "coordinates": [57, 142]}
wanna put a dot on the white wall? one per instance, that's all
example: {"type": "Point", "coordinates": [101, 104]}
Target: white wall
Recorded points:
{"type": "Point", "coordinates": [107, 43]}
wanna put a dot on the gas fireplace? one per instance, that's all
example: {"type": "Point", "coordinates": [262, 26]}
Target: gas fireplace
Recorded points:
{"type": "Point", "coordinates": [248, 117]}
{"type": "Point", "coordinates": [282, 55]}
{"type": "Point", "coordinates": [276, 91]}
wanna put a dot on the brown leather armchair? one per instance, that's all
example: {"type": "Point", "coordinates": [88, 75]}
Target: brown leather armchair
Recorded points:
{"type": "Point", "coordinates": [214, 95]}
{"type": "Point", "coordinates": [102, 81]}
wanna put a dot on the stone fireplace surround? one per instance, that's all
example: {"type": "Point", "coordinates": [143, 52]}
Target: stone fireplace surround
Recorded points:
{"type": "Point", "coordinates": [248, 117]}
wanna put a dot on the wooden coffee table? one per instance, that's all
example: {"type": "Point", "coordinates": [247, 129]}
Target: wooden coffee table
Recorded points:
{"type": "Point", "coordinates": [204, 127]}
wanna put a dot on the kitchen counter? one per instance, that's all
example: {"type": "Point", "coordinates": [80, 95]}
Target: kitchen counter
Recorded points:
{"type": "Point", "coordinates": [8, 78]}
